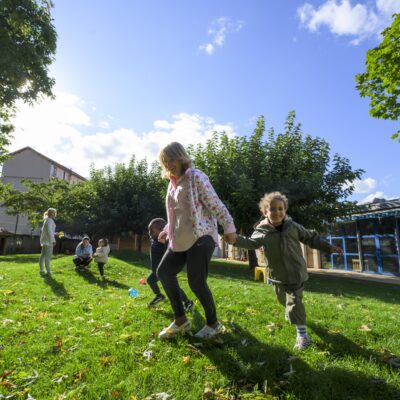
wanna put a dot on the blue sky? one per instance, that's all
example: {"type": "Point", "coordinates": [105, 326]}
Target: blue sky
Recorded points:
{"type": "Point", "coordinates": [134, 75]}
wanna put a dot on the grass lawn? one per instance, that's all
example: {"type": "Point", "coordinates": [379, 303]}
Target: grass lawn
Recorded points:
{"type": "Point", "coordinates": [74, 337]}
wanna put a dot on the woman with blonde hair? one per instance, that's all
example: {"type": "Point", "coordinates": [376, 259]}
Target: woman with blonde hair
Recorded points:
{"type": "Point", "coordinates": [193, 209]}
{"type": "Point", "coordinates": [47, 240]}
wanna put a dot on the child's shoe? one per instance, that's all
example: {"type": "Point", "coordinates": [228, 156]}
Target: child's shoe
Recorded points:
{"type": "Point", "coordinates": [173, 330]}
{"type": "Point", "coordinates": [302, 342]}
{"type": "Point", "coordinates": [188, 305]}
{"type": "Point", "coordinates": [206, 332]}
{"type": "Point", "coordinates": [156, 300]}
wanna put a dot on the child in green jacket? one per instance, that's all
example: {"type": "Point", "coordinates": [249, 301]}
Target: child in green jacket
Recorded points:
{"type": "Point", "coordinates": [281, 238]}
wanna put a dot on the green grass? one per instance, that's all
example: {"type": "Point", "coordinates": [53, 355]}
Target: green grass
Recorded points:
{"type": "Point", "coordinates": [73, 337]}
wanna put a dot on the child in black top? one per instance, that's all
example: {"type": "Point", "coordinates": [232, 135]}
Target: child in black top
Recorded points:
{"type": "Point", "coordinates": [157, 250]}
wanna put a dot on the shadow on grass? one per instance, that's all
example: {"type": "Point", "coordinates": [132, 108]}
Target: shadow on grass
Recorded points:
{"type": "Point", "coordinates": [318, 284]}
{"type": "Point", "coordinates": [24, 258]}
{"type": "Point", "coordinates": [339, 345]}
{"type": "Point", "coordinates": [344, 286]}
{"type": "Point", "coordinates": [89, 277]}
{"type": "Point", "coordinates": [340, 286]}
{"type": "Point", "coordinates": [128, 256]}
{"type": "Point", "coordinates": [249, 363]}
{"type": "Point", "coordinates": [58, 288]}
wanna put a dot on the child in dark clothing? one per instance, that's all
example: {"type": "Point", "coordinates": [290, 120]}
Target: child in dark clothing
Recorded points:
{"type": "Point", "coordinates": [157, 250]}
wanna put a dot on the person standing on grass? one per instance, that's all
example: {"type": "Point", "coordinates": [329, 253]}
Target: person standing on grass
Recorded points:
{"type": "Point", "coordinates": [157, 250]}
{"type": "Point", "coordinates": [193, 209]}
{"type": "Point", "coordinates": [101, 255]}
{"type": "Point", "coordinates": [281, 238]}
{"type": "Point", "coordinates": [83, 254]}
{"type": "Point", "coordinates": [47, 241]}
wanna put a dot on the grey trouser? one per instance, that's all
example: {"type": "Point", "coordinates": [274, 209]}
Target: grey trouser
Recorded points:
{"type": "Point", "coordinates": [196, 259]}
{"type": "Point", "coordinates": [290, 296]}
{"type": "Point", "coordinates": [45, 256]}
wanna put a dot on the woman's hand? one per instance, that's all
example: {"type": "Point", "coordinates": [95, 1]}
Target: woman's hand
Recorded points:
{"type": "Point", "coordinates": [230, 237]}
{"type": "Point", "coordinates": [162, 237]}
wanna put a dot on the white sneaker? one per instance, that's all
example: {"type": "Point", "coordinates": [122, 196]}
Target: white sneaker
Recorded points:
{"type": "Point", "coordinates": [172, 330]}
{"type": "Point", "coordinates": [206, 332]}
{"type": "Point", "coordinates": [302, 342]}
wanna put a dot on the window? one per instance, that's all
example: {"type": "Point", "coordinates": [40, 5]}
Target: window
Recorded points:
{"type": "Point", "coordinates": [386, 225]}
{"type": "Point", "coordinates": [368, 245]}
{"type": "Point", "coordinates": [388, 245]}
{"type": "Point", "coordinates": [390, 264]}
{"type": "Point", "coordinates": [351, 246]}
{"type": "Point", "coordinates": [366, 227]}
{"type": "Point", "coordinates": [350, 229]}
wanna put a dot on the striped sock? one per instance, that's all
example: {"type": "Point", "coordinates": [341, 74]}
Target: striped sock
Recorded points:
{"type": "Point", "coordinates": [301, 330]}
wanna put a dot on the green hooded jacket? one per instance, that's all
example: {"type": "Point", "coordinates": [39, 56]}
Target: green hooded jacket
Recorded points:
{"type": "Point", "coordinates": [284, 257]}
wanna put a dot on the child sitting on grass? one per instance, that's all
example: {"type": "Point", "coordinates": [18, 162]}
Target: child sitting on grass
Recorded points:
{"type": "Point", "coordinates": [281, 238]}
{"type": "Point", "coordinates": [101, 255]}
{"type": "Point", "coordinates": [157, 250]}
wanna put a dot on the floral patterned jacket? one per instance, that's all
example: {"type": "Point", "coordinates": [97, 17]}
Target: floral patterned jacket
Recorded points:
{"type": "Point", "coordinates": [205, 208]}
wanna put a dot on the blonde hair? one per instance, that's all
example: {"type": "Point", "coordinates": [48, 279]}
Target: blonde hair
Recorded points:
{"type": "Point", "coordinates": [105, 241]}
{"type": "Point", "coordinates": [173, 151]}
{"type": "Point", "coordinates": [46, 213]}
{"type": "Point", "coordinates": [268, 198]}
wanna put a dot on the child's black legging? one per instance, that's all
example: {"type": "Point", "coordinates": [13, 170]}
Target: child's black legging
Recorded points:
{"type": "Point", "coordinates": [101, 268]}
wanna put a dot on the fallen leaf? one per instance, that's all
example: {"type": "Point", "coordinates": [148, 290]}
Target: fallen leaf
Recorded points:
{"type": "Point", "coordinates": [186, 359]}
{"type": "Point", "coordinates": [251, 311]}
{"type": "Point", "coordinates": [148, 354]}
{"type": "Point", "coordinates": [364, 328]}
{"type": "Point", "coordinates": [60, 379]}
{"type": "Point", "coordinates": [159, 396]}
{"type": "Point", "coordinates": [105, 360]}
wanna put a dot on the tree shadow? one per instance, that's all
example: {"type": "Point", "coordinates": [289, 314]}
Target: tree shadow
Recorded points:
{"type": "Point", "coordinates": [128, 256]}
{"type": "Point", "coordinates": [248, 363]}
{"type": "Point", "coordinates": [231, 270]}
{"type": "Point", "coordinates": [89, 277]}
{"type": "Point", "coordinates": [58, 288]}
{"type": "Point", "coordinates": [339, 345]}
{"type": "Point", "coordinates": [353, 288]}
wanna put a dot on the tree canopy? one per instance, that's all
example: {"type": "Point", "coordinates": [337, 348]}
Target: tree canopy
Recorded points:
{"type": "Point", "coordinates": [381, 80]}
{"type": "Point", "coordinates": [243, 169]}
{"type": "Point", "coordinates": [27, 45]}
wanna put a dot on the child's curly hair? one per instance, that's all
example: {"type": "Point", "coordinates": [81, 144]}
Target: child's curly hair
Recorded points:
{"type": "Point", "coordinates": [268, 198]}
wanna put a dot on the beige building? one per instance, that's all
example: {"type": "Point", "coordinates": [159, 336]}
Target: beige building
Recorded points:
{"type": "Point", "coordinates": [28, 163]}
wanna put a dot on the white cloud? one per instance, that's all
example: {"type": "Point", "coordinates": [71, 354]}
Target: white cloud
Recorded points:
{"type": "Point", "coordinates": [218, 31]}
{"type": "Point", "coordinates": [365, 185]}
{"type": "Point", "coordinates": [388, 7]}
{"type": "Point", "coordinates": [54, 128]}
{"type": "Point", "coordinates": [372, 196]}
{"type": "Point", "coordinates": [104, 124]}
{"type": "Point", "coordinates": [359, 21]}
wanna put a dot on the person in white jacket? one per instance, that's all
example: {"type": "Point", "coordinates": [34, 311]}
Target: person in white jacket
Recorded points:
{"type": "Point", "coordinates": [101, 255]}
{"type": "Point", "coordinates": [47, 240]}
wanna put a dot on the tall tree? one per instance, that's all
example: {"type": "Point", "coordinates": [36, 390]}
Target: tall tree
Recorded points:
{"type": "Point", "coordinates": [118, 200]}
{"type": "Point", "coordinates": [243, 169]}
{"type": "Point", "coordinates": [381, 80]}
{"type": "Point", "coordinates": [37, 198]}
{"type": "Point", "coordinates": [27, 46]}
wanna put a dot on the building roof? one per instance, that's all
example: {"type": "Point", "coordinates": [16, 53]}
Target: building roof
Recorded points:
{"type": "Point", "coordinates": [378, 208]}
{"type": "Point", "coordinates": [5, 233]}
{"type": "Point", "coordinates": [49, 159]}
